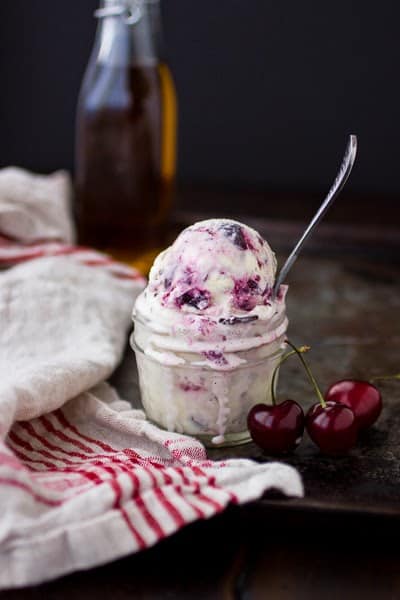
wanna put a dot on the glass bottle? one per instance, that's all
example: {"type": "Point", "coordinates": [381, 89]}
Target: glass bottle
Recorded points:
{"type": "Point", "coordinates": [126, 135]}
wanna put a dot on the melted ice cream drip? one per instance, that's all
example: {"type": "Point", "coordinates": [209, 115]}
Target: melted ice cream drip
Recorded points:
{"type": "Point", "coordinates": [221, 393]}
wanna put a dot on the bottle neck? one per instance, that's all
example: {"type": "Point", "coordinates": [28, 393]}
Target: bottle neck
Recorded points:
{"type": "Point", "coordinates": [129, 32]}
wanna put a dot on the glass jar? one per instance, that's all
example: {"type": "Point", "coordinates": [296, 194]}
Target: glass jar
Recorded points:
{"type": "Point", "coordinates": [181, 392]}
{"type": "Point", "coordinates": [126, 135]}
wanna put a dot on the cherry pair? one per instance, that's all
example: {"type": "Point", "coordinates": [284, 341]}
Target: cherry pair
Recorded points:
{"type": "Point", "coordinates": [333, 423]}
{"type": "Point", "coordinates": [350, 406]}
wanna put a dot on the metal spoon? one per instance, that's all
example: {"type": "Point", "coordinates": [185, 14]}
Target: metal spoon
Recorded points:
{"type": "Point", "coordinates": [338, 184]}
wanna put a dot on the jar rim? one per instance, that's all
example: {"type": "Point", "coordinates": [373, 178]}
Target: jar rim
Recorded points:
{"type": "Point", "coordinates": [251, 339]}
{"type": "Point", "coordinates": [187, 365]}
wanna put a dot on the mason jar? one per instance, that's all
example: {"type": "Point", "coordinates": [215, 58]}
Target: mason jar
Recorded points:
{"type": "Point", "coordinates": [185, 392]}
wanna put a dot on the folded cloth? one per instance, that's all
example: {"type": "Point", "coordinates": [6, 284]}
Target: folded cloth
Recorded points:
{"type": "Point", "coordinates": [35, 206]}
{"type": "Point", "coordinates": [84, 478]}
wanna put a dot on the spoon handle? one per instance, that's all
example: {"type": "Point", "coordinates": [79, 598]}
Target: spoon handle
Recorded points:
{"type": "Point", "coordinates": [338, 184]}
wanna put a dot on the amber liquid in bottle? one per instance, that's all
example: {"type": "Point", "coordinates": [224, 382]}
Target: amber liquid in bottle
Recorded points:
{"type": "Point", "coordinates": [125, 167]}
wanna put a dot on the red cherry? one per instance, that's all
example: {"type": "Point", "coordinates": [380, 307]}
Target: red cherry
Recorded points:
{"type": "Point", "coordinates": [333, 428]}
{"type": "Point", "coordinates": [362, 397]}
{"type": "Point", "coordinates": [277, 428]}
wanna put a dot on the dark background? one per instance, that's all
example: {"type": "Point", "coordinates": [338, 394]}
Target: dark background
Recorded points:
{"type": "Point", "coordinates": [268, 91]}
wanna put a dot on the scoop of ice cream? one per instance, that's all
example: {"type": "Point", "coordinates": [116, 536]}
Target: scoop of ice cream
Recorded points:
{"type": "Point", "coordinates": [217, 267]}
{"type": "Point", "coordinates": [210, 294]}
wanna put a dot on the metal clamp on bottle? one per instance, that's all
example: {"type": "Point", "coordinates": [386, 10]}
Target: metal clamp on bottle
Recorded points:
{"type": "Point", "coordinates": [132, 13]}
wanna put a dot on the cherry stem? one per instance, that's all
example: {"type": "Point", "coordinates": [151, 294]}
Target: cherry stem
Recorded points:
{"type": "Point", "coordinates": [283, 359]}
{"type": "Point", "coordinates": [381, 377]}
{"type": "Point", "coordinates": [309, 374]}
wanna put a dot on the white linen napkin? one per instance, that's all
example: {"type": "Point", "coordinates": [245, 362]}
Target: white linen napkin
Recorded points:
{"type": "Point", "coordinates": [84, 478]}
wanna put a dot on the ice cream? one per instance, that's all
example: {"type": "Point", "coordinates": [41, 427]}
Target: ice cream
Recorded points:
{"type": "Point", "coordinates": [207, 332]}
